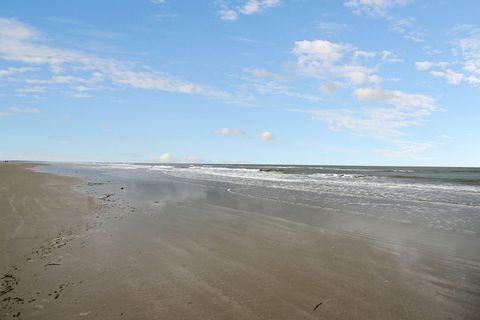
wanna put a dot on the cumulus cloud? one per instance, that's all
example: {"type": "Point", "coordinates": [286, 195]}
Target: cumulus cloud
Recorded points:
{"type": "Point", "coordinates": [322, 50]}
{"type": "Point", "coordinates": [164, 157]}
{"type": "Point", "coordinates": [248, 7]}
{"type": "Point", "coordinates": [401, 110]}
{"type": "Point", "coordinates": [21, 43]}
{"type": "Point", "coordinates": [255, 6]}
{"type": "Point", "coordinates": [320, 57]}
{"type": "Point", "coordinates": [326, 59]}
{"type": "Point", "coordinates": [266, 136]}
{"type": "Point", "coordinates": [229, 132]}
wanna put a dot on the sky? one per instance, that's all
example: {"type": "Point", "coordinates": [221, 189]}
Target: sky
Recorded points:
{"type": "Point", "coordinates": [339, 82]}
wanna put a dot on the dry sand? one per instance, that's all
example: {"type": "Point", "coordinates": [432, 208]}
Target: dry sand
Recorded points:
{"type": "Point", "coordinates": [120, 254]}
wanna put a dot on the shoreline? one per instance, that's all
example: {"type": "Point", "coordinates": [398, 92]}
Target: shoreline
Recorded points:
{"type": "Point", "coordinates": [162, 249]}
{"type": "Point", "coordinates": [25, 195]}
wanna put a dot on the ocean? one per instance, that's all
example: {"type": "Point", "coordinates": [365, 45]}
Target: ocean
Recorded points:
{"type": "Point", "coordinates": [435, 197]}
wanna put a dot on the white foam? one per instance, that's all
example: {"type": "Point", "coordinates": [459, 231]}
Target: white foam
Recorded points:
{"type": "Point", "coordinates": [125, 166]}
{"type": "Point", "coordinates": [352, 184]}
{"type": "Point", "coordinates": [348, 183]}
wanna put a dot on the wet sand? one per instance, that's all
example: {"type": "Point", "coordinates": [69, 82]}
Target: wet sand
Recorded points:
{"type": "Point", "coordinates": [144, 249]}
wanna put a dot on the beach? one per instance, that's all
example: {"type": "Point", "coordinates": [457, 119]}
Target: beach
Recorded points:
{"type": "Point", "coordinates": [96, 242]}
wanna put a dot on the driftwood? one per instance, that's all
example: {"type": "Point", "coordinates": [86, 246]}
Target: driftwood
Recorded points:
{"type": "Point", "coordinates": [318, 305]}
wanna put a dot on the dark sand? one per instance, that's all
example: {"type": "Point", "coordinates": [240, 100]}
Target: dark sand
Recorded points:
{"type": "Point", "coordinates": [172, 250]}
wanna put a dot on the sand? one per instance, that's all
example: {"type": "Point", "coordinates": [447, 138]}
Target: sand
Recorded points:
{"type": "Point", "coordinates": [128, 249]}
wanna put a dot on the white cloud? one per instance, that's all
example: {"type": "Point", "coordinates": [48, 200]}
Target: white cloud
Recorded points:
{"type": "Point", "coordinates": [319, 50]}
{"type": "Point", "coordinates": [249, 7]}
{"type": "Point", "coordinates": [407, 28]}
{"type": "Point", "coordinates": [331, 28]}
{"type": "Point", "coordinates": [402, 110]}
{"type": "Point", "coordinates": [158, 1]}
{"type": "Point", "coordinates": [407, 150]}
{"type": "Point", "coordinates": [12, 70]}
{"type": "Point", "coordinates": [451, 76]}
{"type": "Point", "coordinates": [329, 87]}
{"type": "Point", "coordinates": [466, 51]}
{"type": "Point", "coordinates": [32, 110]}
{"type": "Point", "coordinates": [228, 14]}
{"type": "Point", "coordinates": [95, 77]}
{"type": "Point", "coordinates": [383, 56]}
{"type": "Point", "coordinates": [473, 80]}
{"type": "Point", "coordinates": [427, 65]}
{"type": "Point", "coordinates": [256, 6]}
{"type": "Point", "coordinates": [164, 157]}
{"type": "Point", "coordinates": [446, 136]}
{"type": "Point", "coordinates": [11, 28]}
{"type": "Point", "coordinates": [29, 90]}
{"type": "Point", "coordinates": [431, 51]}
{"type": "Point", "coordinates": [262, 73]}
{"type": "Point", "coordinates": [396, 98]}
{"type": "Point", "coordinates": [268, 83]}
{"type": "Point", "coordinates": [388, 56]}
{"type": "Point", "coordinates": [168, 158]}
{"type": "Point", "coordinates": [266, 136]}
{"type": "Point", "coordinates": [325, 59]}
{"type": "Point", "coordinates": [14, 109]}
{"type": "Point", "coordinates": [21, 43]}
{"type": "Point", "coordinates": [374, 7]}
{"type": "Point", "coordinates": [229, 132]}
{"type": "Point", "coordinates": [376, 122]}
{"type": "Point", "coordinates": [470, 50]}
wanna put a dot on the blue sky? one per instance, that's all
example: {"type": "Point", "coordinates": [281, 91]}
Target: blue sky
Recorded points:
{"type": "Point", "coordinates": [361, 82]}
